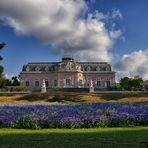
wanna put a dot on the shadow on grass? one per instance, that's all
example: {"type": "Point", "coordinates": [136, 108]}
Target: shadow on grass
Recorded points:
{"type": "Point", "coordinates": [116, 97]}
{"type": "Point", "coordinates": [33, 97]}
{"type": "Point", "coordinates": [7, 94]}
{"type": "Point", "coordinates": [59, 97]}
{"type": "Point", "coordinates": [66, 98]}
{"type": "Point", "coordinates": [66, 139]}
{"type": "Point", "coordinates": [75, 97]}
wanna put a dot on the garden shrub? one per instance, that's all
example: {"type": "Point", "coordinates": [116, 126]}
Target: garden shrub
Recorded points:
{"type": "Point", "coordinates": [26, 123]}
{"type": "Point", "coordinates": [17, 88]}
{"type": "Point", "coordinates": [102, 123]}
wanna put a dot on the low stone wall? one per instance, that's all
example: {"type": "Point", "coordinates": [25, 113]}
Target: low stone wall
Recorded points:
{"type": "Point", "coordinates": [79, 90]}
{"type": "Point", "coordinates": [69, 89]}
{"type": "Point", "coordinates": [122, 92]}
{"type": "Point", "coordinates": [15, 92]}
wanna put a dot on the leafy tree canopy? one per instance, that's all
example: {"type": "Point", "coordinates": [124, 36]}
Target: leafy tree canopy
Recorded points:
{"type": "Point", "coordinates": [129, 84]}
{"type": "Point", "coordinates": [1, 70]}
{"type": "Point", "coordinates": [2, 45]}
{"type": "Point", "coordinates": [1, 58]}
{"type": "Point", "coordinates": [15, 81]}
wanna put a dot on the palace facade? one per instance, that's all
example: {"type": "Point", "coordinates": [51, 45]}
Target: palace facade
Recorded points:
{"type": "Point", "coordinates": [67, 74]}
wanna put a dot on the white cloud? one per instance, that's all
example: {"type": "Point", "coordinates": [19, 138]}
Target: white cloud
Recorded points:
{"type": "Point", "coordinates": [97, 55]}
{"type": "Point", "coordinates": [8, 76]}
{"type": "Point", "coordinates": [135, 63]}
{"type": "Point", "coordinates": [117, 14]}
{"type": "Point", "coordinates": [115, 34]}
{"type": "Point", "coordinates": [60, 23]}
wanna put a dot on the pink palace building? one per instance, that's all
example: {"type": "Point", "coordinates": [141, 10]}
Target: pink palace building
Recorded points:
{"type": "Point", "coordinates": [67, 74]}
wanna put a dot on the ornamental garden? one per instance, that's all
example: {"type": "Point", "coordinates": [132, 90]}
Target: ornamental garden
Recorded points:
{"type": "Point", "coordinates": [83, 115]}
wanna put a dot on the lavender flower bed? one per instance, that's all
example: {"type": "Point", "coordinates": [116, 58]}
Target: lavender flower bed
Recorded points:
{"type": "Point", "coordinates": [74, 116]}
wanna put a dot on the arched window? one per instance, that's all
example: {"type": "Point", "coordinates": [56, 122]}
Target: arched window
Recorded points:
{"type": "Point", "coordinates": [37, 68]}
{"type": "Point", "coordinates": [68, 82]}
{"type": "Point", "coordinates": [55, 68]}
{"type": "Point", "coordinates": [88, 83]}
{"type": "Point", "coordinates": [108, 84]}
{"type": "Point", "coordinates": [27, 68]}
{"type": "Point", "coordinates": [47, 82]}
{"type": "Point", "coordinates": [98, 68]}
{"type": "Point", "coordinates": [80, 83]}
{"type": "Point", "coordinates": [27, 83]}
{"type": "Point", "coordinates": [88, 68]}
{"type": "Point", "coordinates": [98, 82]}
{"type": "Point", "coordinates": [108, 68]}
{"type": "Point", "coordinates": [46, 68]}
{"type": "Point", "coordinates": [37, 83]}
{"type": "Point", "coordinates": [55, 83]}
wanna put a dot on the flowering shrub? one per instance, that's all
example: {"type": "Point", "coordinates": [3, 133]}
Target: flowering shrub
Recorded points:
{"type": "Point", "coordinates": [74, 115]}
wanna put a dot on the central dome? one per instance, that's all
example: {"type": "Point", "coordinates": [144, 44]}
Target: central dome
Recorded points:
{"type": "Point", "coordinates": [67, 58]}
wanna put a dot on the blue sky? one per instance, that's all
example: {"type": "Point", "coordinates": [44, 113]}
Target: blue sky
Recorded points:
{"type": "Point", "coordinates": [134, 23]}
{"type": "Point", "coordinates": [124, 35]}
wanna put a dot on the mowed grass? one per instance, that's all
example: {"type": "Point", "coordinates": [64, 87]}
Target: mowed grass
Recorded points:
{"type": "Point", "coordinates": [135, 137]}
{"type": "Point", "coordinates": [72, 97]}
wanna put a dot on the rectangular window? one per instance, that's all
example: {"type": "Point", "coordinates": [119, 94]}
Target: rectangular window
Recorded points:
{"type": "Point", "coordinates": [55, 83]}
{"type": "Point", "coordinates": [27, 83]}
{"type": "Point", "coordinates": [108, 83]}
{"type": "Point", "coordinates": [37, 84]}
{"type": "Point", "coordinates": [98, 83]}
{"type": "Point", "coordinates": [80, 83]}
{"type": "Point", "coordinates": [88, 83]}
{"type": "Point", "coordinates": [68, 82]}
{"type": "Point", "coordinates": [47, 83]}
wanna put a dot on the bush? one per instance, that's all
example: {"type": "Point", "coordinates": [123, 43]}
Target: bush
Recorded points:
{"type": "Point", "coordinates": [17, 88]}
{"type": "Point", "coordinates": [121, 122]}
{"type": "Point", "coordinates": [102, 123]}
{"type": "Point", "coordinates": [26, 123]}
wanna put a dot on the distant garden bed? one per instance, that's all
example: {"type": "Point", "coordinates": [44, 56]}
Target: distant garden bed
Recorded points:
{"type": "Point", "coordinates": [74, 116]}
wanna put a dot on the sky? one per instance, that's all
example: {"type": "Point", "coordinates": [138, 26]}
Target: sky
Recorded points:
{"type": "Point", "coordinates": [114, 31]}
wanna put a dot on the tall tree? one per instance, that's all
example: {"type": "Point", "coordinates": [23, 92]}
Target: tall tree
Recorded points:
{"type": "Point", "coordinates": [15, 81]}
{"type": "Point", "coordinates": [126, 83]}
{"type": "Point", "coordinates": [1, 58]}
{"type": "Point", "coordinates": [136, 83]}
{"type": "Point", "coordinates": [2, 82]}
{"type": "Point", "coordinates": [2, 45]}
{"type": "Point", "coordinates": [131, 83]}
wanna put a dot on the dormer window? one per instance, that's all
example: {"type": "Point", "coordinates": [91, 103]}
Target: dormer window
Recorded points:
{"type": "Point", "coordinates": [103, 68]}
{"type": "Point", "coordinates": [107, 68]}
{"type": "Point", "coordinates": [27, 68]}
{"type": "Point", "coordinates": [52, 69]}
{"type": "Point", "coordinates": [88, 68]}
{"type": "Point", "coordinates": [56, 68]}
{"type": "Point", "coordinates": [46, 68]}
{"type": "Point", "coordinates": [37, 68]}
{"type": "Point", "coordinates": [98, 68]}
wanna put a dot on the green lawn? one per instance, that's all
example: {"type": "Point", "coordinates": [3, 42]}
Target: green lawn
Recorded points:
{"type": "Point", "coordinates": [72, 97]}
{"type": "Point", "coordinates": [136, 137]}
